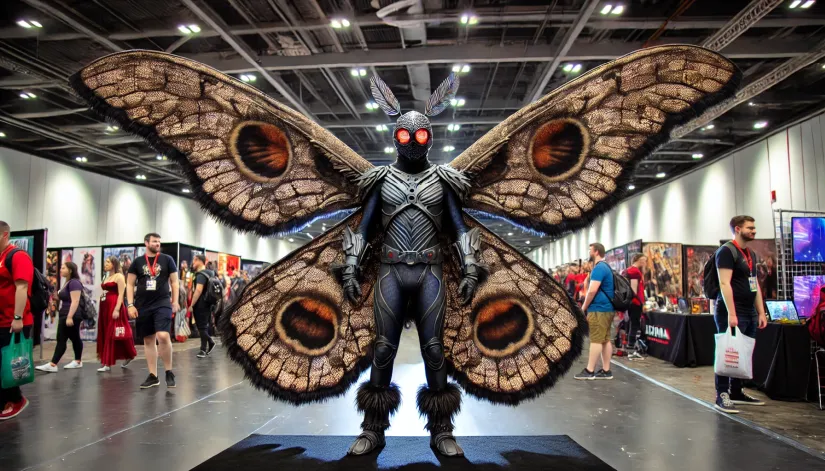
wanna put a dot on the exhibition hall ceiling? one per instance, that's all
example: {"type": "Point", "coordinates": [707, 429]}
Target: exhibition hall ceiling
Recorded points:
{"type": "Point", "coordinates": [317, 56]}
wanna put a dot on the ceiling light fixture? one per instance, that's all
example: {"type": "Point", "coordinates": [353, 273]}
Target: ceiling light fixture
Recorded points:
{"type": "Point", "coordinates": [388, 150]}
{"type": "Point", "coordinates": [291, 239]}
{"type": "Point", "coordinates": [186, 190]}
{"type": "Point", "coordinates": [572, 68]}
{"type": "Point", "coordinates": [449, 148]}
{"type": "Point", "coordinates": [2, 134]}
{"type": "Point", "coordinates": [372, 106]}
{"type": "Point", "coordinates": [631, 187]}
{"type": "Point", "coordinates": [795, 3]}
{"type": "Point", "coordinates": [808, 4]}
{"type": "Point", "coordinates": [708, 127]}
{"type": "Point", "coordinates": [661, 175]}
{"type": "Point", "coordinates": [760, 125]}
{"type": "Point", "coordinates": [111, 129]}
{"type": "Point", "coordinates": [606, 9]}
{"type": "Point", "coordinates": [469, 19]}
{"type": "Point", "coordinates": [248, 78]}
{"type": "Point", "coordinates": [358, 72]}
{"type": "Point", "coordinates": [161, 157]}
{"type": "Point", "coordinates": [339, 23]}
{"type": "Point", "coordinates": [617, 10]}
{"type": "Point", "coordinates": [140, 176]}
{"type": "Point", "coordinates": [381, 128]}
{"type": "Point", "coordinates": [697, 156]}
{"type": "Point", "coordinates": [750, 103]}
{"type": "Point", "coordinates": [453, 127]}
{"type": "Point", "coordinates": [28, 96]}
{"type": "Point", "coordinates": [189, 29]}
{"type": "Point", "coordinates": [81, 159]}
{"type": "Point", "coordinates": [510, 234]}
{"type": "Point", "coordinates": [458, 102]}
{"type": "Point", "coordinates": [29, 24]}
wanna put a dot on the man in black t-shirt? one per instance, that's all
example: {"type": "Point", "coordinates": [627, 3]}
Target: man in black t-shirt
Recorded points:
{"type": "Point", "coordinates": [150, 301]}
{"type": "Point", "coordinates": [199, 307]}
{"type": "Point", "coordinates": [738, 303]}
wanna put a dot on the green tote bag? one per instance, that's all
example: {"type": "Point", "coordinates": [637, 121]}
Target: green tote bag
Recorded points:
{"type": "Point", "coordinates": [16, 362]}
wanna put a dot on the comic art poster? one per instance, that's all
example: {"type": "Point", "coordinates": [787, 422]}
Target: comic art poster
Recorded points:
{"type": "Point", "coordinates": [663, 273]}
{"type": "Point", "coordinates": [87, 260]}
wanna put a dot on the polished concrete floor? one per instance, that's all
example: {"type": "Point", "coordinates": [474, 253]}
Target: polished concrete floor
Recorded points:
{"type": "Point", "coordinates": [86, 420]}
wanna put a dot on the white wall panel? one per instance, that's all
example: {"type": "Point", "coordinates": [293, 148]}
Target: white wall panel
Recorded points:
{"type": "Point", "coordinates": [83, 209]}
{"type": "Point", "coordinates": [809, 155]}
{"type": "Point", "coordinates": [818, 138]}
{"type": "Point", "coordinates": [780, 175]}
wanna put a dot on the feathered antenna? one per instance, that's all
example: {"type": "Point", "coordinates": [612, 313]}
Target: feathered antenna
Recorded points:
{"type": "Point", "coordinates": [384, 97]}
{"type": "Point", "coordinates": [442, 95]}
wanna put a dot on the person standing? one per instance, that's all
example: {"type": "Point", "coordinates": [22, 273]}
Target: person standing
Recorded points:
{"type": "Point", "coordinates": [571, 282]}
{"type": "Point", "coordinates": [112, 308]}
{"type": "Point", "coordinates": [739, 304]}
{"type": "Point", "coordinates": [600, 314]}
{"type": "Point", "coordinates": [68, 328]}
{"type": "Point", "coordinates": [634, 312]}
{"type": "Point", "coordinates": [15, 312]}
{"type": "Point", "coordinates": [199, 306]}
{"type": "Point", "coordinates": [150, 301]}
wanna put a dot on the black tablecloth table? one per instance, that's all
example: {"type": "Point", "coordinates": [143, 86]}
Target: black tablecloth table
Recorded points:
{"type": "Point", "coordinates": [681, 339]}
{"type": "Point", "coordinates": [782, 363]}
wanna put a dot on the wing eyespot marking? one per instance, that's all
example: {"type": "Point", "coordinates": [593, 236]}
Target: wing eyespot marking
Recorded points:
{"type": "Point", "coordinates": [559, 148]}
{"type": "Point", "coordinates": [262, 151]}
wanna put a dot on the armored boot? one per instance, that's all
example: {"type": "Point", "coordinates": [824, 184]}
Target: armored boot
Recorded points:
{"type": "Point", "coordinates": [377, 403]}
{"type": "Point", "coordinates": [440, 407]}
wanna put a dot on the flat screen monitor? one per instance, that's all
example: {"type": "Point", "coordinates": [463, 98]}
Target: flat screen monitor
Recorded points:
{"type": "Point", "coordinates": [806, 293]}
{"type": "Point", "coordinates": [808, 239]}
{"type": "Point", "coordinates": [778, 310]}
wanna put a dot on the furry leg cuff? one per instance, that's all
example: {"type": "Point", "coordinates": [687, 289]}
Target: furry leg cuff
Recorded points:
{"type": "Point", "coordinates": [439, 407]}
{"type": "Point", "coordinates": [377, 404]}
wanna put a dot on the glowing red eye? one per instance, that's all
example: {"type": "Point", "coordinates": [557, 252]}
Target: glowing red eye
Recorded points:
{"type": "Point", "coordinates": [422, 136]}
{"type": "Point", "coordinates": [403, 136]}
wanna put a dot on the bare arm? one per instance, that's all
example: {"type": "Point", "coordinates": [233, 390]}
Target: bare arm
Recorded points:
{"type": "Point", "coordinates": [591, 294]}
{"type": "Point", "coordinates": [634, 285]}
{"type": "Point", "coordinates": [130, 288]}
{"type": "Point", "coordinates": [175, 283]}
{"type": "Point", "coordinates": [121, 288]}
{"type": "Point", "coordinates": [759, 304]}
{"type": "Point", "coordinates": [75, 295]}
{"type": "Point", "coordinates": [21, 295]}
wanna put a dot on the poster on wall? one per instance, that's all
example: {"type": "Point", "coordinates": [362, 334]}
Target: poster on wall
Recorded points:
{"type": "Point", "coordinates": [616, 259]}
{"type": "Point", "coordinates": [87, 260]}
{"type": "Point", "coordinates": [124, 254]}
{"type": "Point", "coordinates": [696, 256]}
{"type": "Point", "coordinates": [52, 274]}
{"type": "Point", "coordinates": [664, 269]}
{"type": "Point", "coordinates": [65, 256]}
{"type": "Point", "coordinates": [25, 243]}
{"type": "Point", "coordinates": [212, 257]}
{"type": "Point", "coordinates": [228, 264]}
{"type": "Point", "coordinates": [766, 264]}
{"type": "Point", "coordinates": [252, 269]}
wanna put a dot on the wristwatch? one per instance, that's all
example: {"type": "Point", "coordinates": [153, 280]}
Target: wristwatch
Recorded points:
{"type": "Point", "coordinates": [130, 305]}
{"type": "Point", "coordinates": [18, 318]}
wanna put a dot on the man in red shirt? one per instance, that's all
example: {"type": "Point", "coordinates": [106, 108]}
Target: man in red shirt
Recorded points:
{"type": "Point", "coordinates": [637, 284]}
{"type": "Point", "coordinates": [15, 314]}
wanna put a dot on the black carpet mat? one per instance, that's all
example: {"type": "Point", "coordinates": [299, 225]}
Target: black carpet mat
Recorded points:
{"type": "Point", "coordinates": [327, 453]}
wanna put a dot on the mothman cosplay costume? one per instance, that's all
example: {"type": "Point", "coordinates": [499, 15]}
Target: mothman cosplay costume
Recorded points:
{"type": "Point", "coordinates": [307, 327]}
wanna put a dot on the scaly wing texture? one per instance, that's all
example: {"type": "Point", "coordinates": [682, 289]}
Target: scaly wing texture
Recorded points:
{"type": "Point", "coordinates": [252, 162]}
{"type": "Point", "coordinates": [292, 330]}
{"type": "Point", "coordinates": [558, 163]}
{"type": "Point", "coordinates": [520, 333]}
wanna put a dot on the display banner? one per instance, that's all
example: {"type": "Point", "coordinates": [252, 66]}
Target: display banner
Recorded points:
{"type": "Point", "coordinates": [25, 243]}
{"type": "Point", "coordinates": [87, 260]}
{"type": "Point", "coordinates": [53, 275]}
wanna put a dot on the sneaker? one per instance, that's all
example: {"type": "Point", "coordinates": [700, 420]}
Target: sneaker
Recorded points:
{"type": "Point", "coordinates": [170, 380]}
{"type": "Point", "coordinates": [151, 382]}
{"type": "Point", "coordinates": [125, 363]}
{"type": "Point", "coordinates": [724, 404]}
{"type": "Point", "coordinates": [585, 375]}
{"type": "Point", "coordinates": [211, 347]}
{"type": "Point", "coordinates": [48, 368]}
{"type": "Point", "coordinates": [601, 374]}
{"type": "Point", "coordinates": [202, 354]}
{"type": "Point", "coordinates": [744, 399]}
{"type": "Point", "coordinates": [635, 356]}
{"type": "Point", "coordinates": [13, 409]}
{"type": "Point", "coordinates": [104, 369]}
{"type": "Point", "coordinates": [73, 365]}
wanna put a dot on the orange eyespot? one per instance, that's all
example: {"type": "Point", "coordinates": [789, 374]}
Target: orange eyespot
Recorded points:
{"type": "Point", "coordinates": [402, 136]}
{"type": "Point", "coordinates": [422, 136]}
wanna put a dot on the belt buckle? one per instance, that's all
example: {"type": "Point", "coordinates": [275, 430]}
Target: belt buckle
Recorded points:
{"type": "Point", "coordinates": [407, 257]}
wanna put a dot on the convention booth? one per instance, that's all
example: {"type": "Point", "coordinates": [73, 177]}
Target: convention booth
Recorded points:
{"type": "Point", "coordinates": [678, 324]}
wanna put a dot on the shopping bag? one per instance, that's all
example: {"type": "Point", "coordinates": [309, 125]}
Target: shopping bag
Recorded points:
{"type": "Point", "coordinates": [17, 365]}
{"type": "Point", "coordinates": [122, 331]}
{"type": "Point", "coordinates": [734, 354]}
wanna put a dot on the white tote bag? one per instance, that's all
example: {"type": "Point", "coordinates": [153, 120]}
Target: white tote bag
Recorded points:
{"type": "Point", "coordinates": [734, 354]}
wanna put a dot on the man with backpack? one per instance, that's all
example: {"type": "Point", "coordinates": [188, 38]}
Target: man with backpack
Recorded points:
{"type": "Point", "coordinates": [738, 301]}
{"type": "Point", "coordinates": [203, 301]}
{"type": "Point", "coordinates": [15, 311]}
{"type": "Point", "coordinates": [600, 313]}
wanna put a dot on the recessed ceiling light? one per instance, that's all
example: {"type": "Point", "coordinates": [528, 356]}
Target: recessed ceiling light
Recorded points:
{"type": "Point", "coordinates": [528, 242]}
{"type": "Point", "coordinates": [697, 156]}
{"type": "Point", "coordinates": [760, 124]}
{"type": "Point", "coordinates": [631, 187]}
{"type": "Point", "coordinates": [661, 175]}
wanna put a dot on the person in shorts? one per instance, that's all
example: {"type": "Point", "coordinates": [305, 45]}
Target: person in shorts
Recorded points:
{"type": "Point", "coordinates": [150, 302]}
{"type": "Point", "coordinates": [600, 314]}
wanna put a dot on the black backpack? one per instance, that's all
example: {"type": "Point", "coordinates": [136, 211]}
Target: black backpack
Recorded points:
{"type": "Point", "coordinates": [212, 290]}
{"type": "Point", "coordinates": [86, 309]}
{"type": "Point", "coordinates": [622, 292]}
{"type": "Point", "coordinates": [39, 299]}
{"type": "Point", "coordinates": [710, 277]}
